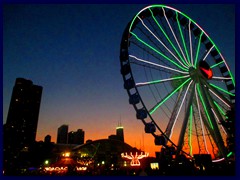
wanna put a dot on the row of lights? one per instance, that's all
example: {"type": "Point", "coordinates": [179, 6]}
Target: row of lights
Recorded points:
{"type": "Point", "coordinates": [64, 169]}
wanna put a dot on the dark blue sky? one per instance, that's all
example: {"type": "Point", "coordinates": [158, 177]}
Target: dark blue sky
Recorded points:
{"type": "Point", "coordinates": [73, 52]}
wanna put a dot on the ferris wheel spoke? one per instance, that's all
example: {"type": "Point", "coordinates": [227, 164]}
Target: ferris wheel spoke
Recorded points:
{"type": "Point", "coordinates": [157, 65]}
{"type": "Point", "coordinates": [152, 110]}
{"type": "Point", "coordinates": [185, 120]}
{"type": "Point", "coordinates": [223, 90]}
{"type": "Point", "coordinates": [224, 100]}
{"type": "Point", "coordinates": [160, 81]}
{"type": "Point", "coordinates": [198, 48]}
{"type": "Point", "coordinates": [219, 108]}
{"type": "Point", "coordinates": [204, 106]}
{"type": "Point", "coordinates": [184, 58]}
{"type": "Point", "coordinates": [160, 27]}
{"type": "Point", "coordinates": [190, 41]}
{"type": "Point", "coordinates": [216, 134]}
{"type": "Point", "coordinates": [171, 125]}
{"type": "Point", "coordinates": [174, 113]}
{"type": "Point", "coordinates": [201, 121]}
{"type": "Point", "coordinates": [155, 50]}
{"type": "Point", "coordinates": [219, 121]}
{"type": "Point", "coordinates": [161, 42]}
{"type": "Point", "coordinates": [208, 53]}
{"type": "Point", "coordinates": [219, 95]}
{"type": "Point", "coordinates": [215, 65]}
{"type": "Point", "coordinates": [183, 41]}
{"type": "Point", "coordinates": [215, 109]}
{"type": "Point", "coordinates": [221, 78]}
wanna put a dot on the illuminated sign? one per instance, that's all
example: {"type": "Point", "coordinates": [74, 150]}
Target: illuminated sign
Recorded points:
{"type": "Point", "coordinates": [135, 158]}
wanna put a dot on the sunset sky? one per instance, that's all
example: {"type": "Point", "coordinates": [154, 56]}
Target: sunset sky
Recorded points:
{"type": "Point", "coordinates": [72, 51]}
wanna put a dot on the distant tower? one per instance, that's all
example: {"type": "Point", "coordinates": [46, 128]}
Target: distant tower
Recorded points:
{"type": "Point", "coordinates": [47, 139]}
{"type": "Point", "coordinates": [62, 134]}
{"type": "Point", "coordinates": [21, 125]}
{"type": "Point", "coordinates": [119, 132]}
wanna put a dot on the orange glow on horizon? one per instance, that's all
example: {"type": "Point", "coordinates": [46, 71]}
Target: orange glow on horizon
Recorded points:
{"type": "Point", "coordinates": [134, 135]}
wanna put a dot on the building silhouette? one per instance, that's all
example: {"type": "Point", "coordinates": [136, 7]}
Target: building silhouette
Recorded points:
{"type": "Point", "coordinates": [76, 137]}
{"type": "Point", "coordinates": [47, 139]}
{"type": "Point", "coordinates": [21, 125]}
{"type": "Point", "coordinates": [119, 133]}
{"type": "Point", "coordinates": [62, 134]}
{"type": "Point", "coordinates": [19, 132]}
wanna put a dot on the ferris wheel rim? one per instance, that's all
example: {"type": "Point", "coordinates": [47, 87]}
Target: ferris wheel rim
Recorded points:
{"type": "Point", "coordinates": [128, 31]}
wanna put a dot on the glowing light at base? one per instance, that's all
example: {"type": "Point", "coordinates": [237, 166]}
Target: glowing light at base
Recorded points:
{"type": "Point", "coordinates": [135, 158]}
{"type": "Point", "coordinates": [66, 154]}
{"type": "Point", "coordinates": [58, 169]}
{"type": "Point", "coordinates": [81, 168]}
{"type": "Point", "coordinates": [63, 169]}
{"type": "Point", "coordinates": [154, 166]}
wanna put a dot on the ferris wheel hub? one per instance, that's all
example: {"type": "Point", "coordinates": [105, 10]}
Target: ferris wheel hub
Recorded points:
{"type": "Point", "coordinates": [193, 73]}
{"type": "Point", "coordinates": [205, 70]}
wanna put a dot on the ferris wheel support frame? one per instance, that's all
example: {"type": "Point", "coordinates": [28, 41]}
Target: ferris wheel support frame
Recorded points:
{"type": "Point", "coordinates": [214, 128]}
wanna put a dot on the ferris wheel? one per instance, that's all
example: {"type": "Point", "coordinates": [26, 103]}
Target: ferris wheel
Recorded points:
{"type": "Point", "coordinates": [178, 82]}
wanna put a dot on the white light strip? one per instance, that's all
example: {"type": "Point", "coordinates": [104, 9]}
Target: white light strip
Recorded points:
{"type": "Point", "coordinates": [218, 160]}
{"type": "Point", "coordinates": [200, 116]}
{"type": "Point", "coordinates": [180, 108]}
{"type": "Point", "coordinates": [223, 78]}
{"type": "Point", "coordinates": [160, 81]}
{"type": "Point", "coordinates": [207, 53]}
{"type": "Point", "coordinates": [219, 98]}
{"type": "Point", "coordinates": [174, 36]}
{"type": "Point", "coordinates": [161, 42]}
{"type": "Point", "coordinates": [218, 121]}
{"type": "Point", "coordinates": [158, 65]}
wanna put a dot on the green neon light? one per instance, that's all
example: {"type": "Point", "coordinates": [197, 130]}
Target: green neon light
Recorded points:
{"type": "Point", "coordinates": [164, 6]}
{"type": "Point", "coordinates": [160, 103]}
{"type": "Point", "coordinates": [168, 38]}
{"type": "Point", "coordinates": [204, 106]}
{"type": "Point", "coordinates": [216, 64]}
{"type": "Point", "coordinates": [199, 42]}
{"type": "Point", "coordinates": [159, 81]}
{"type": "Point", "coordinates": [229, 154]}
{"type": "Point", "coordinates": [219, 108]}
{"type": "Point", "coordinates": [233, 81]}
{"type": "Point", "coordinates": [157, 51]}
{"type": "Point", "coordinates": [231, 94]}
{"type": "Point", "coordinates": [190, 129]}
{"type": "Point", "coordinates": [220, 53]}
{"type": "Point", "coordinates": [152, 6]}
{"type": "Point", "coordinates": [184, 44]}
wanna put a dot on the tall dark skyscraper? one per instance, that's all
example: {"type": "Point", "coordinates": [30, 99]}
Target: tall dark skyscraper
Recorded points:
{"type": "Point", "coordinates": [21, 125]}
{"type": "Point", "coordinates": [62, 134]}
